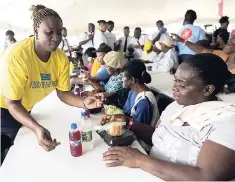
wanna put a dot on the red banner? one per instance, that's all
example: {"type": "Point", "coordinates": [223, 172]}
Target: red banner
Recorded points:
{"type": "Point", "coordinates": [221, 7]}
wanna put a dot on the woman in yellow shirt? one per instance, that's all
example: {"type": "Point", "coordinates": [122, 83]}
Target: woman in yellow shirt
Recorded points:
{"type": "Point", "coordinates": [95, 67]}
{"type": "Point", "coordinates": [32, 69]}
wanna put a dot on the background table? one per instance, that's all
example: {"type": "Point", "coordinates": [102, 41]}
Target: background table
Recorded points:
{"type": "Point", "coordinates": [27, 161]}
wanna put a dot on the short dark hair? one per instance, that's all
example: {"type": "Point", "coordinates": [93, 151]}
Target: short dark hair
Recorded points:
{"type": "Point", "coordinates": [211, 70]}
{"type": "Point", "coordinates": [91, 52]}
{"type": "Point", "coordinates": [126, 28]}
{"type": "Point", "coordinates": [110, 22]}
{"type": "Point", "coordinates": [190, 15]}
{"type": "Point", "coordinates": [64, 28]}
{"type": "Point", "coordinates": [137, 69]}
{"type": "Point", "coordinates": [102, 22]}
{"type": "Point", "coordinates": [10, 33]}
{"type": "Point", "coordinates": [91, 24]}
{"type": "Point", "coordinates": [160, 22]}
{"type": "Point", "coordinates": [138, 28]}
{"type": "Point", "coordinates": [224, 19]}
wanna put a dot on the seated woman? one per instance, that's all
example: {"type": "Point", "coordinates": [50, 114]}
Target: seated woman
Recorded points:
{"type": "Point", "coordinates": [167, 59]}
{"type": "Point", "coordinates": [190, 130]}
{"type": "Point", "coordinates": [141, 103]}
{"type": "Point", "coordinates": [99, 72]}
{"type": "Point", "coordinates": [148, 54]}
{"type": "Point", "coordinates": [114, 61]}
{"type": "Point", "coordinates": [228, 53]}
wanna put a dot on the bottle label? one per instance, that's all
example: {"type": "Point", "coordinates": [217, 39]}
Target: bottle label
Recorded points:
{"type": "Point", "coordinates": [75, 143]}
{"type": "Point", "coordinates": [87, 136]}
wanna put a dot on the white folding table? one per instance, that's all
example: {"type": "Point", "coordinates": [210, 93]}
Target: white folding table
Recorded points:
{"type": "Point", "coordinates": [26, 161]}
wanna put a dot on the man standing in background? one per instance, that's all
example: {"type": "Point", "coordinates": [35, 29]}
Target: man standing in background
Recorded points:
{"type": "Point", "coordinates": [64, 45]}
{"type": "Point", "coordinates": [124, 42]}
{"type": "Point", "coordinates": [191, 33]}
{"type": "Point", "coordinates": [99, 37]}
{"type": "Point", "coordinates": [85, 41]}
{"type": "Point", "coordinates": [160, 34]}
{"type": "Point", "coordinates": [138, 42]}
{"type": "Point", "coordinates": [111, 37]}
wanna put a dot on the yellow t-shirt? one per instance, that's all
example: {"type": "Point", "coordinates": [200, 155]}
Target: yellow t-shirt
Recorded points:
{"type": "Point", "coordinates": [95, 67]}
{"type": "Point", "coordinates": [1, 55]}
{"type": "Point", "coordinates": [25, 77]}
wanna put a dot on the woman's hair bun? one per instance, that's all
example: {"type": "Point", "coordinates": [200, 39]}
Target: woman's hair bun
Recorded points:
{"type": "Point", "coordinates": [146, 77]}
{"type": "Point", "coordinates": [36, 8]}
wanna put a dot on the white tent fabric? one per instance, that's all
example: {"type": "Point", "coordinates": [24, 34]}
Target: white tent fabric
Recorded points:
{"type": "Point", "coordinates": [76, 14]}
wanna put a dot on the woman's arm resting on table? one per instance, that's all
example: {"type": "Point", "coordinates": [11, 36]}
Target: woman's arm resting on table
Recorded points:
{"type": "Point", "coordinates": [210, 165]}
{"type": "Point", "coordinates": [143, 131]}
{"type": "Point", "coordinates": [20, 114]}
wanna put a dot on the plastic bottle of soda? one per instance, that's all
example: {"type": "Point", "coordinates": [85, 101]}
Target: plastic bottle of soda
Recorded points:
{"type": "Point", "coordinates": [86, 130]}
{"type": "Point", "coordinates": [77, 90]}
{"type": "Point", "coordinates": [75, 141]}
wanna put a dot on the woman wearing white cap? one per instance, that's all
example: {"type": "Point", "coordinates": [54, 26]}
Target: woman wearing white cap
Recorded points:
{"type": "Point", "coordinates": [167, 59]}
{"type": "Point", "coordinates": [114, 62]}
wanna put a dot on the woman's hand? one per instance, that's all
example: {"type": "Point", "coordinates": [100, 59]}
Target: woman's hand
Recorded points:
{"type": "Point", "coordinates": [123, 156]}
{"type": "Point", "coordinates": [92, 103]}
{"type": "Point", "coordinates": [103, 95]}
{"type": "Point", "coordinates": [177, 38]}
{"type": "Point", "coordinates": [45, 140]}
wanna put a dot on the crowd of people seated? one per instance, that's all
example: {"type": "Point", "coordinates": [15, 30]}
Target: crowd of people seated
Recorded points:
{"type": "Point", "coordinates": [192, 139]}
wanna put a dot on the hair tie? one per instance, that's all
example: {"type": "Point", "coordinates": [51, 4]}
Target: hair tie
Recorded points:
{"type": "Point", "coordinates": [142, 74]}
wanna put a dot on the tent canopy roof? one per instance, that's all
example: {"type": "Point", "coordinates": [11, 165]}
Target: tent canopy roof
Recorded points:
{"type": "Point", "coordinates": [76, 14]}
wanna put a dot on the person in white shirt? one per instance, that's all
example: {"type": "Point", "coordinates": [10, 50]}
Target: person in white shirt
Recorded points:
{"type": "Point", "coordinates": [167, 59]}
{"type": "Point", "coordinates": [191, 33]}
{"type": "Point", "coordinates": [160, 34]}
{"type": "Point", "coordinates": [138, 42]}
{"type": "Point", "coordinates": [111, 37]}
{"type": "Point", "coordinates": [64, 45]}
{"type": "Point", "coordinates": [99, 37]}
{"type": "Point", "coordinates": [85, 41]}
{"type": "Point", "coordinates": [124, 42]}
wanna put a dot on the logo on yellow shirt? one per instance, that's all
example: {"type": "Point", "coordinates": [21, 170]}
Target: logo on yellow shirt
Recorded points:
{"type": "Point", "coordinates": [44, 83]}
{"type": "Point", "coordinates": [45, 76]}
